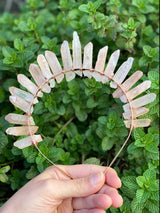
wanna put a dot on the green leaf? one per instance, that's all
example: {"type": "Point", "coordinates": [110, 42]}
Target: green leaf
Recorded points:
{"type": "Point", "coordinates": [25, 56]}
{"type": "Point", "coordinates": [141, 180]}
{"type": "Point", "coordinates": [7, 51]}
{"type": "Point", "coordinates": [91, 103]}
{"type": "Point", "coordinates": [102, 120]}
{"type": "Point", "coordinates": [3, 141]}
{"type": "Point", "coordinates": [3, 178]}
{"type": "Point", "coordinates": [18, 44]}
{"type": "Point", "coordinates": [151, 147]}
{"type": "Point", "coordinates": [23, 26]}
{"type": "Point", "coordinates": [131, 22]}
{"type": "Point", "coordinates": [92, 160]}
{"type": "Point", "coordinates": [149, 51]}
{"type": "Point", "coordinates": [142, 195]}
{"type": "Point", "coordinates": [136, 206]}
{"type": "Point", "coordinates": [32, 172]}
{"type": "Point", "coordinates": [84, 8]}
{"type": "Point", "coordinates": [107, 143]}
{"type": "Point", "coordinates": [130, 182]}
{"type": "Point", "coordinates": [153, 76]}
{"type": "Point", "coordinates": [150, 174]}
{"type": "Point", "coordinates": [4, 169]}
{"type": "Point", "coordinates": [81, 115]}
{"type": "Point", "coordinates": [152, 206]}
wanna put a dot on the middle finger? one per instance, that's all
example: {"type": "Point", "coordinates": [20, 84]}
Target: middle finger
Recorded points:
{"type": "Point", "coordinates": [102, 201]}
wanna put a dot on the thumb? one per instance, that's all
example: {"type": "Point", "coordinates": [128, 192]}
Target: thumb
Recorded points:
{"type": "Point", "coordinates": [78, 187]}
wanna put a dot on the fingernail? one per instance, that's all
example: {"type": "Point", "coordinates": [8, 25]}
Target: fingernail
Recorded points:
{"type": "Point", "coordinates": [96, 178]}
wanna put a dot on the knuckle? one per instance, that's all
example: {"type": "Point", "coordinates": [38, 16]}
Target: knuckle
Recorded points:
{"type": "Point", "coordinates": [48, 184]}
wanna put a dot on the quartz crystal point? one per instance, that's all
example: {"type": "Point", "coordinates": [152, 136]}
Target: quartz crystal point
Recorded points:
{"type": "Point", "coordinates": [21, 130]}
{"type": "Point", "coordinates": [77, 53]}
{"type": "Point", "coordinates": [52, 83]}
{"type": "Point", "coordinates": [137, 123]}
{"type": "Point", "coordinates": [67, 61]}
{"type": "Point", "coordinates": [28, 141]}
{"type": "Point", "coordinates": [109, 71]}
{"type": "Point", "coordinates": [21, 104]}
{"type": "Point", "coordinates": [136, 113]}
{"type": "Point", "coordinates": [127, 84]}
{"type": "Point", "coordinates": [19, 119]}
{"type": "Point", "coordinates": [136, 91]}
{"type": "Point", "coordinates": [100, 63]}
{"type": "Point", "coordinates": [54, 65]}
{"type": "Point", "coordinates": [23, 94]}
{"type": "Point", "coordinates": [139, 102]}
{"type": "Point", "coordinates": [28, 84]}
{"type": "Point", "coordinates": [39, 78]}
{"type": "Point", "coordinates": [44, 66]}
{"type": "Point", "coordinates": [101, 59]}
{"type": "Point", "coordinates": [87, 59]}
{"type": "Point", "coordinates": [121, 73]}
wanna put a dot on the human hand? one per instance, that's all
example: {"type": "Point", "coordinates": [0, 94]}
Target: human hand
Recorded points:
{"type": "Point", "coordinates": [90, 191]}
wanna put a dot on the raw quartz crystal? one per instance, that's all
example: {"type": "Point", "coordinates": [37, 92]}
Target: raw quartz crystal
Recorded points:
{"type": "Point", "coordinates": [49, 71]}
{"type": "Point", "coordinates": [87, 60]}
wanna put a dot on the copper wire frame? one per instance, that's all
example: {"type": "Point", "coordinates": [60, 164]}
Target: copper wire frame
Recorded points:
{"type": "Point", "coordinates": [54, 76]}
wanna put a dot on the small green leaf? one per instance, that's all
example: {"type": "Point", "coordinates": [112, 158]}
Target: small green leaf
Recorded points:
{"type": "Point", "coordinates": [149, 51]}
{"type": "Point", "coordinates": [4, 169]}
{"type": "Point", "coordinates": [130, 182]}
{"type": "Point", "coordinates": [141, 180]}
{"type": "Point", "coordinates": [32, 172]}
{"type": "Point", "coordinates": [131, 22]}
{"type": "Point", "coordinates": [107, 143]}
{"type": "Point", "coordinates": [3, 178]}
{"type": "Point", "coordinates": [7, 51]}
{"type": "Point", "coordinates": [84, 8]}
{"type": "Point", "coordinates": [18, 44]}
{"type": "Point", "coordinates": [92, 160]}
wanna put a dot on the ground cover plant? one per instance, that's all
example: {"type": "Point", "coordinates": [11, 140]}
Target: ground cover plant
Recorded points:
{"type": "Point", "coordinates": [80, 121]}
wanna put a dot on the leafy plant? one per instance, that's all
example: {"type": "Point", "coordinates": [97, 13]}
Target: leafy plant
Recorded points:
{"type": "Point", "coordinates": [80, 121]}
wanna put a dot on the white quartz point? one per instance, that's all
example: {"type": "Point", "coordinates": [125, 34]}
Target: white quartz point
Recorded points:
{"type": "Point", "coordinates": [52, 83]}
{"type": "Point", "coordinates": [109, 71]}
{"type": "Point", "coordinates": [122, 72]}
{"type": "Point", "coordinates": [87, 59]}
{"type": "Point", "coordinates": [19, 119]}
{"type": "Point", "coordinates": [44, 66]}
{"type": "Point", "coordinates": [28, 84]}
{"type": "Point", "coordinates": [101, 59]}
{"type": "Point", "coordinates": [22, 94]}
{"type": "Point", "coordinates": [136, 91]}
{"type": "Point", "coordinates": [139, 102]}
{"type": "Point", "coordinates": [21, 130]}
{"type": "Point", "coordinates": [97, 76]}
{"type": "Point", "coordinates": [100, 63]}
{"type": "Point", "coordinates": [77, 53]}
{"type": "Point", "coordinates": [21, 103]}
{"type": "Point", "coordinates": [137, 123]}
{"type": "Point", "coordinates": [67, 61]}
{"type": "Point", "coordinates": [39, 78]}
{"type": "Point", "coordinates": [136, 113]}
{"type": "Point", "coordinates": [54, 65]}
{"type": "Point", "coordinates": [28, 141]}
{"type": "Point", "coordinates": [127, 84]}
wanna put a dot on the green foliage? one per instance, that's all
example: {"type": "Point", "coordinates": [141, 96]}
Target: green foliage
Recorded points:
{"type": "Point", "coordinates": [80, 121]}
